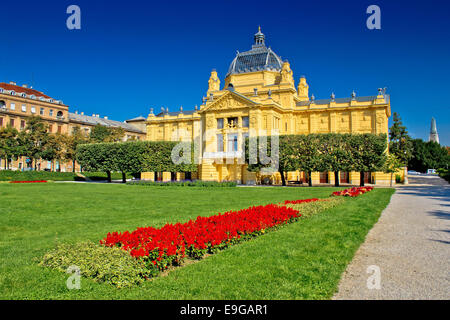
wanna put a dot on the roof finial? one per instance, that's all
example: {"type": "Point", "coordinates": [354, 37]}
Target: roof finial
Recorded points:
{"type": "Point", "coordinates": [259, 39]}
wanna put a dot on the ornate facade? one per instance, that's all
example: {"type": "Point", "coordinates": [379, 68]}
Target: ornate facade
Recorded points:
{"type": "Point", "coordinates": [259, 96]}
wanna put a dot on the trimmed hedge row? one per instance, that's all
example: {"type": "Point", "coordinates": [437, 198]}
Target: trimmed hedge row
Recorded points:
{"type": "Point", "coordinates": [187, 183]}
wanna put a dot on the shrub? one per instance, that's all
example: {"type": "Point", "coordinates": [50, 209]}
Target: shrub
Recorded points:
{"type": "Point", "coordinates": [9, 175]}
{"type": "Point", "coordinates": [100, 263]}
{"type": "Point", "coordinates": [187, 183]}
{"type": "Point", "coordinates": [308, 209]}
{"type": "Point", "coordinates": [398, 178]}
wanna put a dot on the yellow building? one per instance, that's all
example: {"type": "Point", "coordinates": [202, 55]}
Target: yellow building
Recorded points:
{"type": "Point", "coordinates": [259, 97]}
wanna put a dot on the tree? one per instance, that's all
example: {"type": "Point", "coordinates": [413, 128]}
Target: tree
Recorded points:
{"type": "Point", "coordinates": [428, 155]}
{"type": "Point", "coordinates": [9, 144]}
{"type": "Point", "coordinates": [131, 157]}
{"type": "Point", "coordinates": [34, 138]}
{"type": "Point", "coordinates": [71, 142]}
{"type": "Point", "coordinates": [400, 142]}
{"type": "Point", "coordinates": [335, 154]}
{"type": "Point", "coordinates": [101, 133]}
{"type": "Point", "coordinates": [391, 165]}
{"type": "Point", "coordinates": [368, 153]}
{"type": "Point", "coordinates": [54, 148]}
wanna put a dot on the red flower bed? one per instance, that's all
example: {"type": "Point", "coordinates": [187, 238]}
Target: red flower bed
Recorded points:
{"type": "Point", "coordinates": [300, 201]}
{"type": "Point", "coordinates": [168, 245]}
{"type": "Point", "coordinates": [352, 192]}
{"type": "Point", "coordinates": [37, 181]}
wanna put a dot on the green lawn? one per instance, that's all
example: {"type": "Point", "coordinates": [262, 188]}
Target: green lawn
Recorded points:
{"type": "Point", "coordinates": [303, 260]}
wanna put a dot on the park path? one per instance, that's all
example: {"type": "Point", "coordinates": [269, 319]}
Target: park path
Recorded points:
{"type": "Point", "coordinates": [410, 244]}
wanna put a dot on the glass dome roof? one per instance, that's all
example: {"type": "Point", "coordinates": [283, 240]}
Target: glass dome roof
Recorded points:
{"type": "Point", "coordinates": [258, 58]}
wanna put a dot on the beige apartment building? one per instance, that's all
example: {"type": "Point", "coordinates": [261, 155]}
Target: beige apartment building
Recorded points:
{"type": "Point", "coordinates": [19, 102]}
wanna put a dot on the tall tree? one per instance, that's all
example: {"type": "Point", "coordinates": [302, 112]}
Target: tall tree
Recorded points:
{"type": "Point", "coordinates": [428, 155]}
{"type": "Point", "coordinates": [9, 144]}
{"type": "Point", "coordinates": [34, 138]}
{"type": "Point", "coordinates": [400, 143]}
{"type": "Point", "coordinates": [71, 142]}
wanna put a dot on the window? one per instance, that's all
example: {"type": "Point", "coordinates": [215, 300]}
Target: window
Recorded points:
{"type": "Point", "coordinates": [59, 129]}
{"type": "Point", "coordinates": [50, 128]}
{"type": "Point", "coordinates": [33, 109]}
{"type": "Point", "coordinates": [219, 123]}
{"type": "Point", "coordinates": [59, 114]}
{"type": "Point", "coordinates": [232, 142]}
{"type": "Point", "coordinates": [2, 104]}
{"type": "Point", "coordinates": [13, 93]}
{"type": "Point", "coordinates": [244, 137]}
{"type": "Point", "coordinates": [232, 122]}
{"type": "Point", "coordinates": [1, 122]}
{"type": "Point", "coordinates": [219, 143]}
{"type": "Point", "coordinates": [22, 124]}
{"type": "Point", "coordinates": [12, 106]}
{"type": "Point", "coordinates": [24, 95]}
{"type": "Point", "coordinates": [24, 108]}
{"type": "Point", "coordinates": [51, 113]}
{"type": "Point", "coordinates": [11, 122]}
{"type": "Point", "coordinates": [41, 112]}
{"type": "Point", "coordinates": [245, 122]}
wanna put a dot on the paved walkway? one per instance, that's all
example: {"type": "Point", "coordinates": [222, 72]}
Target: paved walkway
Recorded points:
{"type": "Point", "coordinates": [410, 244]}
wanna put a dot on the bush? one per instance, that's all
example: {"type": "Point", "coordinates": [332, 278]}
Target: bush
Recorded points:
{"type": "Point", "coordinates": [398, 178]}
{"type": "Point", "coordinates": [9, 175]}
{"type": "Point", "coordinates": [187, 183]}
{"type": "Point", "coordinates": [445, 174]}
{"type": "Point", "coordinates": [100, 263]}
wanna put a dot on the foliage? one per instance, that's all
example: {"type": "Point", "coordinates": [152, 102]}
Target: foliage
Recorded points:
{"type": "Point", "coordinates": [102, 264]}
{"type": "Point", "coordinates": [392, 165]}
{"type": "Point", "coordinates": [187, 183]}
{"type": "Point", "coordinates": [9, 175]}
{"type": "Point", "coordinates": [132, 157]}
{"type": "Point", "coordinates": [444, 174]}
{"type": "Point", "coordinates": [34, 138]}
{"type": "Point", "coordinates": [9, 144]}
{"type": "Point", "coordinates": [101, 133]}
{"type": "Point", "coordinates": [324, 152]}
{"type": "Point", "coordinates": [428, 155]}
{"type": "Point", "coordinates": [400, 143]}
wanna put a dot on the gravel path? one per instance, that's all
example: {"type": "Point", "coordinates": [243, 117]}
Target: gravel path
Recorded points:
{"type": "Point", "coordinates": [410, 244]}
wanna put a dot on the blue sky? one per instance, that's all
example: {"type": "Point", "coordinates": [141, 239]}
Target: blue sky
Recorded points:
{"type": "Point", "coordinates": [134, 55]}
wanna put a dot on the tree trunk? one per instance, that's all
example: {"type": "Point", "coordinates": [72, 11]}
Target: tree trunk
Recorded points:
{"type": "Point", "coordinates": [73, 166]}
{"type": "Point", "coordinates": [124, 177]}
{"type": "Point", "coordinates": [109, 176]}
{"type": "Point", "coordinates": [283, 180]}
{"type": "Point", "coordinates": [392, 175]}
{"type": "Point", "coordinates": [336, 178]}
{"type": "Point", "coordinates": [6, 163]}
{"type": "Point", "coordinates": [309, 179]}
{"type": "Point", "coordinates": [361, 178]}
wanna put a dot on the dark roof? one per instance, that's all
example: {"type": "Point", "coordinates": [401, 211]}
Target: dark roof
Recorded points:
{"type": "Point", "coordinates": [140, 118]}
{"type": "Point", "coordinates": [257, 59]}
{"type": "Point", "coordinates": [340, 100]}
{"type": "Point", "coordinates": [90, 120]}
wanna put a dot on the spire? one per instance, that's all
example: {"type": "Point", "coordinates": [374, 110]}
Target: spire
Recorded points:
{"type": "Point", "coordinates": [433, 132]}
{"type": "Point", "coordinates": [259, 39]}
{"type": "Point", "coordinates": [433, 126]}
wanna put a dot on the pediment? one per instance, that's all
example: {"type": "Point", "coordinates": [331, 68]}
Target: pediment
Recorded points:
{"type": "Point", "coordinates": [229, 101]}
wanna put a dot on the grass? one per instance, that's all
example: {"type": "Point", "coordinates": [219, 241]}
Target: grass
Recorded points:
{"type": "Point", "coordinates": [303, 260]}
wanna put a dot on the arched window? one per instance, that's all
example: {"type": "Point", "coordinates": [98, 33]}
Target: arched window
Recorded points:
{"type": "Point", "coordinates": [2, 104]}
{"type": "Point", "coordinates": [59, 114]}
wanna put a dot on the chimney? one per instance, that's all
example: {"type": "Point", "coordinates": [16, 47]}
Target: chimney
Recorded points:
{"type": "Point", "coordinates": [76, 111]}
{"type": "Point", "coordinates": [106, 117]}
{"type": "Point", "coordinates": [24, 86]}
{"type": "Point", "coordinates": [13, 83]}
{"type": "Point", "coordinates": [82, 113]}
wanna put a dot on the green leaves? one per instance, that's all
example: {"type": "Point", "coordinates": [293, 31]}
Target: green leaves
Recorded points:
{"type": "Point", "coordinates": [133, 157]}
